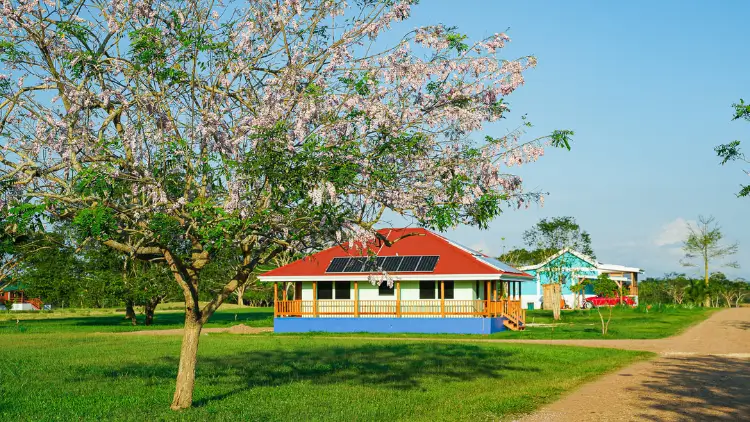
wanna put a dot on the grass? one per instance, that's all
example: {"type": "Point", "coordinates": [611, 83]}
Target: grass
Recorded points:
{"type": "Point", "coordinates": [627, 323]}
{"type": "Point", "coordinates": [112, 320]}
{"type": "Point", "coordinates": [75, 375]}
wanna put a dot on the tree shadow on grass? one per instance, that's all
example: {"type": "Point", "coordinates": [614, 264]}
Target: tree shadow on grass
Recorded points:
{"type": "Point", "coordinates": [705, 388]}
{"type": "Point", "coordinates": [393, 366]}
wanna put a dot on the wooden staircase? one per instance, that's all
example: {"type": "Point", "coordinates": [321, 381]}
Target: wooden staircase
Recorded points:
{"type": "Point", "coordinates": [513, 324]}
{"type": "Point", "coordinates": [515, 316]}
{"type": "Point", "coordinates": [37, 303]}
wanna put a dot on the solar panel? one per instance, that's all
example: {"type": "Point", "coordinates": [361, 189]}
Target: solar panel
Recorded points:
{"type": "Point", "coordinates": [391, 263]}
{"type": "Point", "coordinates": [337, 265]}
{"type": "Point", "coordinates": [406, 264]}
{"type": "Point", "coordinates": [355, 265]}
{"type": "Point", "coordinates": [427, 263]}
{"type": "Point", "coordinates": [371, 265]}
{"type": "Point", "coordinates": [409, 263]}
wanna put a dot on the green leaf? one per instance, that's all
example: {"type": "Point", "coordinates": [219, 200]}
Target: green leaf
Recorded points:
{"type": "Point", "coordinates": [561, 139]}
{"type": "Point", "coordinates": [97, 222]}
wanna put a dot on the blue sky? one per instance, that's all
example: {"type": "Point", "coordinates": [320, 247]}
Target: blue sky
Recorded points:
{"type": "Point", "coordinates": [647, 87]}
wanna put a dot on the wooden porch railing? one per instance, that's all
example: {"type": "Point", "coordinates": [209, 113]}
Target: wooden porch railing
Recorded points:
{"type": "Point", "coordinates": [511, 309]}
{"type": "Point", "coordinates": [35, 302]}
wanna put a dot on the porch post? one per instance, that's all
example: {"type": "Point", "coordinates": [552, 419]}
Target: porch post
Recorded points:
{"type": "Point", "coordinates": [487, 296]}
{"type": "Point", "coordinates": [283, 293]}
{"type": "Point", "coordinates": [494, 290]}
{"type": "Point", "coordinates": [633, 285]}
{"type": "Point", "coordinates": [519, 291]}
{"type": "Point", "coordinates": [315, 298]}
{"type": "Point", "coordinates": [442, 299]}
{"type": "Point", "coordinates": [398, 298]}
{"type": "Point", "coordinates": [356, 298]}
{"type": "Point", "coordinates": [275, 299]}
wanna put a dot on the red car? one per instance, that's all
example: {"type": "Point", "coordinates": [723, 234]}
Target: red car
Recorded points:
{"type": "Point", "coordinates": [590, 302]}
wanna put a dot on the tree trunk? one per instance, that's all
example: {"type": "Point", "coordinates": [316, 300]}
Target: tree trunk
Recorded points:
{"type": "Point", "coordinates": [601, 318]}
{"type": "Point", "coordinates": [149, 308]}
{"type": "Point", "coordinates": [609, 318]}
{"type": "Point", "coordinates": [556, 298]}
{"type": "Point", "coordinates": [183, 394]}
{"type": "Point", "coordinates": [240, 294]}
{"type": "Point", "coordinates": [130, 312]}
{"type": "Point", "coordinates": [707, 300]}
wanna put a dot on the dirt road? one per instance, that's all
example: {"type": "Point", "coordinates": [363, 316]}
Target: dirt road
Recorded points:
{"type": "Point", "coordinates": [703, 374]}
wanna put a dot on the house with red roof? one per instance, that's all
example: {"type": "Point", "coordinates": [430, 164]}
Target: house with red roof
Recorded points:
{"type": "Point", "coordinates": [13, 297]}
{"type": "Point", "coordinates": [410, 280]}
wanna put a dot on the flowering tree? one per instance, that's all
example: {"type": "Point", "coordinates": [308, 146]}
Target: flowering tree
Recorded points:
{"type": "Point", "coordinates": [171, 130]}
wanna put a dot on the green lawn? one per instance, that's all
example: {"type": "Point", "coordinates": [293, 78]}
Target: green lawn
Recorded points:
{"type": "Point", "coordinates": [108, 320]}
{"type": "Point", "coordinates": [86, 376]}
{"type": "Point", "coordinates": [627, 323]}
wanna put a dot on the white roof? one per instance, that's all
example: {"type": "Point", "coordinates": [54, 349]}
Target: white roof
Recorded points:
{"type": "Point", "coordinates": [598, 265]}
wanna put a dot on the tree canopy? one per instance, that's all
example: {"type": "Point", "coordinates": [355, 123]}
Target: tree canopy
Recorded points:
{"type": "Point", "coordinates": [557, 233]}
{"type": "Point", "coordinates": [732, 151]}
{"type": "Point", "coordinates": [704, 246]}
{"type": "Point", "coordinates": [174, 131]}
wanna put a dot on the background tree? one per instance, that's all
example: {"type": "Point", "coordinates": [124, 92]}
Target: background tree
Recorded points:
{"type": "Point", "coordinates": [731, 151]}
{"type": "Point", "coordinates": [704, 244]}
{"type": "Point", "coordinates": [676, 288]}
{"type": "Point", "coordinates": [742, 292]}
{"type": "Point", "coordinates": [653, 290]}
{"type": "Point", "coordinates": [176, 131]}
{"type": "Point", "coordinates": [550, 236]}
{"type": "Point", "coordinates": [696, 292]}
{"type": "Point", "coordinates": [604, 286]}
{"type": "Point", "coordinates": [21, 234]}
{"type": "Point", "coordinates": [719, 289]}
{"type": "Point", "coordinates": [522, 257]}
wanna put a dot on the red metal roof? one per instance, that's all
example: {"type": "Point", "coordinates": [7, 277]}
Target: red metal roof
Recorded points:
{"type": "Point", "coordinates": [454, 259]}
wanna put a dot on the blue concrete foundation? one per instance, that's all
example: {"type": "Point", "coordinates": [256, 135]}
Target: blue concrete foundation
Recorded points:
{"type": "Point", "coordinates": [390, 325]}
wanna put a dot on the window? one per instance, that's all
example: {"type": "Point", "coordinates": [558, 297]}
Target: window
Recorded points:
{"type": "Point", "coordinates": [325, 290]}
{"type": "Point", "coordinates": [448, 286]}
{"type": "Point", "coordinates": [343, 290]}
{"type": "Point", "coordinates": [426, 289]}
{"type": "Point", "coordinates": [384, 290]}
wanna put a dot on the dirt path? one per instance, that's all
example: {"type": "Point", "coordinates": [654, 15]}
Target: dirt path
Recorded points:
{"type": "Point", "coordinates": [235, 329]}
{"type": "Point", "coordinates": [703, 374]}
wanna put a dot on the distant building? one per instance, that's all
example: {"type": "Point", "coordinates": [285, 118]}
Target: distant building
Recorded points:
{"type": "Point", "coordinates": [574, 267]}
{"type": "Point", "coordinates": [439, 286]}
{"type": "Point", "coordinates": [12, 295]}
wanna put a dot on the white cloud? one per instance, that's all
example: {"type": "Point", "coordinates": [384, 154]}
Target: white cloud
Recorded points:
{"type": "Point", "coordinates": [673, 232]}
